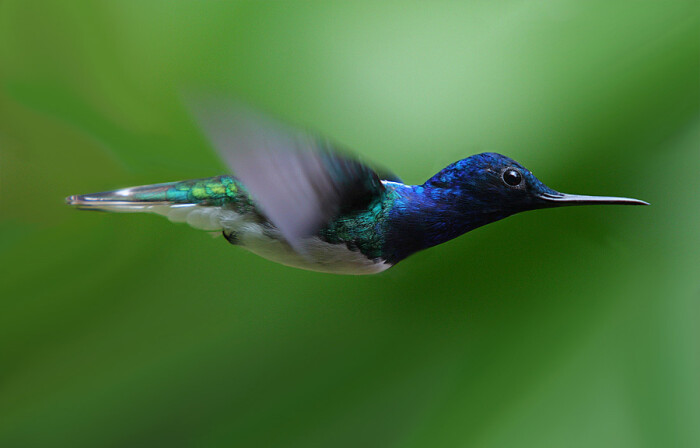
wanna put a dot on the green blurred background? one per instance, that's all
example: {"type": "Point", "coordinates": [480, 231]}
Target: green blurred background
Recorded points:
{"type": "Point", "coordinates": [560, 328]}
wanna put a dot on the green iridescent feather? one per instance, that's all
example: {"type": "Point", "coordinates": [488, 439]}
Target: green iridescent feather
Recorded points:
{"type": "Point", "coordinates": [212, 191]}
{"type": "Point", "coordinates": [363, 229]}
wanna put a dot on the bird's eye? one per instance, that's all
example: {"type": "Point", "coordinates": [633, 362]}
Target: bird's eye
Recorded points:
{"type": "Point", "coordinates": [512, 177]}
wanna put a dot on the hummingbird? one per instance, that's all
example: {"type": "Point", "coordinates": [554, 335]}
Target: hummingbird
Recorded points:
{"type": "Point", "coordinates": [299, 199]}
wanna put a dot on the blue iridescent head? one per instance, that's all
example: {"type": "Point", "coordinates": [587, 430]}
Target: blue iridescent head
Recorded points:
{"type": "Point", "coordinates": [468, 194]}
{"type": "Point", "coordinates": [491, 182]}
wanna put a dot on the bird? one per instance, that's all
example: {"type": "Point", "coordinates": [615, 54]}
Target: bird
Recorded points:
{"type": "Point", "coordinates": [299, 199]}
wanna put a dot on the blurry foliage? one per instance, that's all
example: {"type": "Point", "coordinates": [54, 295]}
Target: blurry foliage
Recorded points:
{"type": "Point", "coordinates": [572, 327]}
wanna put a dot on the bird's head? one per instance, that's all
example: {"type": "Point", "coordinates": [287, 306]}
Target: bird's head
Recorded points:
{"type": "Point", "coordinates": [492, 183]}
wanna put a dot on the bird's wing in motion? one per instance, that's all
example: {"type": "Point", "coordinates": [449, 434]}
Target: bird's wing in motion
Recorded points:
{"type": "Point", "coordinates": [299, 180]}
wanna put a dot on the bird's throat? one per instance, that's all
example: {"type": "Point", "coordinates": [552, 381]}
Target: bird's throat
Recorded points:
{"type": "Point", "coordinates": [425, 218]}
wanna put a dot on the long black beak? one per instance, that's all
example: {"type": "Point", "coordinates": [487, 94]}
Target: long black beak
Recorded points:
{"type": "Point", "coordinates": [561, 199]}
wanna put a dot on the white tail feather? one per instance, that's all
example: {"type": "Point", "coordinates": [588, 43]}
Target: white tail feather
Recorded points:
{"type": "Point", "coordinates": [210, 218]}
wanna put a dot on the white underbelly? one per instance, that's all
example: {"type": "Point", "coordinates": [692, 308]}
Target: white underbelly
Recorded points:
{"type": "Point", "coordinates": [319, 255]}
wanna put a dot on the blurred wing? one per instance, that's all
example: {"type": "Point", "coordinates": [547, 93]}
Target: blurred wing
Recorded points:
{"type": "Point", "coordinates": [300, 181]}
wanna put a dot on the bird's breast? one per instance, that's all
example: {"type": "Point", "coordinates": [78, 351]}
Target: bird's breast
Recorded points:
{"type": "Point", "coordinates": [314, 254]}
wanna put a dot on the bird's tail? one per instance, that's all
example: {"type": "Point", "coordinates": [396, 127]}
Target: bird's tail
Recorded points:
{"type": "Point", "coordinates": [197, 202]}
{"type": "Point", "coordinates": [133, 199]}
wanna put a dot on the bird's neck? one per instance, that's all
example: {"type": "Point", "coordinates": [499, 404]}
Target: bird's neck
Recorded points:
{"type": "Point", "coordinates": [426, 216]}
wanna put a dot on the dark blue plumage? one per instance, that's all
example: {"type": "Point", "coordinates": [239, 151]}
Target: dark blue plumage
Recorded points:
{"type": "Point", "coordinates": [463, 196]}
